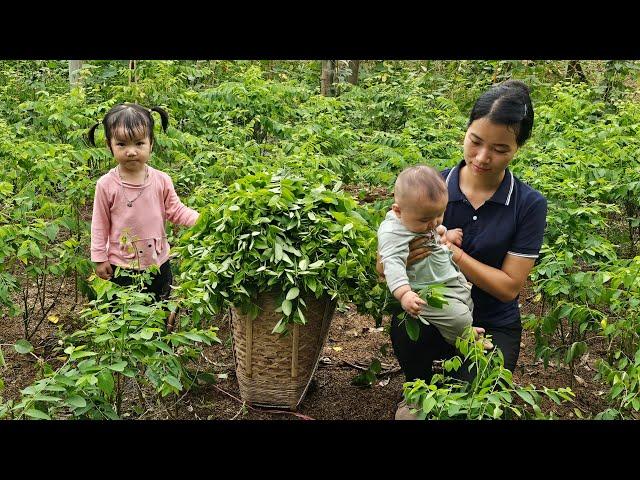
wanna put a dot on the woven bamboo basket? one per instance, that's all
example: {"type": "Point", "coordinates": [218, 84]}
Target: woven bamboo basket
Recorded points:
{"type": "Point", "coordinates": [275, 370]}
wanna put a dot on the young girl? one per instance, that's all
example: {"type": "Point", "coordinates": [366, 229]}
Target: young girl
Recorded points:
{"type": "Point", "coordinates": [133, 201]}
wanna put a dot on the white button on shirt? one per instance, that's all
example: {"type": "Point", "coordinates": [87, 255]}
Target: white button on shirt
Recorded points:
{"type": "Point", "coordinates": [475, 217]}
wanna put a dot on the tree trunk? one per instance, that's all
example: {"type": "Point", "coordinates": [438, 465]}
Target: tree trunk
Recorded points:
{"type": "Point", "coordinates": [74, 72]}
{"type": "Point", "coordinates": [326, 79]}
{"type": "Point", "coordinates": [133, 78]}
{"type": "Point", "coordinates": [574, 70]}
{"type": "Point", "coordinates": [270, 69]}
{"type": "Point", "coordinates": [355, 68]}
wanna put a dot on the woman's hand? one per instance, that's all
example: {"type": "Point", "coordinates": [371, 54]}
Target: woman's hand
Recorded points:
{"type": "Point", "coordinates": [417, 250]}
{"type": "Point", "coordinates": [454, 236]}
{"type": "Point", "coordinates": [456, 251]}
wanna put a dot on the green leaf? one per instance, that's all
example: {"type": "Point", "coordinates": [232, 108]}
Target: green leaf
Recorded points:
{"type": "Point", "coordinates": [616, 390]}
{"type": "Point", "coordinates": [2, 362]}
{"type": "Point", "coordinates": [46, 398]}
{"type": "Point", "coordinates": [342, 271]}
{"type": "Point", "coordinates": [52, 231]}
{"type": "Point", "coordinates": [173, 381]}
{"type": "Point", "coordinates": [106, 382]}
{"type": "Point", "coordinates": [526, 396]}
{"type": "Point", "coordinates": [162, 346]}
{"type": "Point", "coordinates": [22, 346]}
{"type": "Point", "coordinates": [76, 401]}
{"type": "Point", "coordinates": [287, 307]}
{"type": "Point", "coordinates": [293, 293]}
{"type": "Point", "coordinates": [280, 327]}
{"type": "Point", "coordinates": [375, 367]}
{"type": "Point", "coordinates": [316, 264]}
{"type": "Point", "coordinates": [141, 309]}
{"type": "Point", "coordinates": [147, 333]}
{"type": "Point", "coordinates": [35, 413]}
{"type": "Point", "coordinates": [428, 403]}
{"type": "Point", "coordinates": [118, 366]}
{"type": "Point", "coordinates": [413, 329]}
{"type": "Point", "coordinates": [576, 350]}
{"type": "Point", "coordinates": [35, 250]}
{"type": "Point", "coordinates": [76, 355]}
{"type": "Point", "coordinates": [193, 336]}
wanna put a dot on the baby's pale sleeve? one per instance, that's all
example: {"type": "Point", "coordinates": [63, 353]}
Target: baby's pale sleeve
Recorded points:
{"type": "Point", "coordinates": [394, 250]}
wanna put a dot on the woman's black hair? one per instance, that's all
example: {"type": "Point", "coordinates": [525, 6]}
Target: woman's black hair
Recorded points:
{"type": "Point", "coordinates": [507, 103]}
{"type": "Point", "coordinates": [132, 118]}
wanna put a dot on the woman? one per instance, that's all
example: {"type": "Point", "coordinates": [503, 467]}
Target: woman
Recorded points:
{"type": "Point", "coordinates": [502, 221]}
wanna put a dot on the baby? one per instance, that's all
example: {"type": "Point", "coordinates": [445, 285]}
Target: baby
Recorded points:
{"type": "Point", "coordinates": [421, 198]}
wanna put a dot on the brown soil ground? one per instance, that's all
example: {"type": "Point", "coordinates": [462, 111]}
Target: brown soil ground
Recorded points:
{"type": "Point", "coordinates": [353, 342]}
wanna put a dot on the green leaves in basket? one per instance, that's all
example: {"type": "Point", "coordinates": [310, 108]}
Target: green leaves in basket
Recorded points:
{"type": "Point", "coordinates": [294, 236]}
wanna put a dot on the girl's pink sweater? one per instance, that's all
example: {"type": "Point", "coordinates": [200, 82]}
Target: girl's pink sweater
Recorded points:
{"type": "Point", "coordinates": [134, 237]}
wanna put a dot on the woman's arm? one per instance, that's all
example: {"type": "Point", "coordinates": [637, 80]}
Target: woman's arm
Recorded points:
{"type": "Point", "coordinates": [505, 284]}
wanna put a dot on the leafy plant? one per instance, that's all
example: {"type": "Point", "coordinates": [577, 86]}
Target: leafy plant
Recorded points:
{"type": "Point", "coordinates": [123, 338]}
{"type": "Point", "coordinates": [489, 395]}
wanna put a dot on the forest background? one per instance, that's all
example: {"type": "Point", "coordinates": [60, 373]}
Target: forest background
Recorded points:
{"type": "Point", "coordinates": [350, 126]}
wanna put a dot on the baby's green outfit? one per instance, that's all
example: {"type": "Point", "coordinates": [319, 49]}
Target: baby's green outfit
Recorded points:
{"type": "Point", "coordinates": [393, 246]}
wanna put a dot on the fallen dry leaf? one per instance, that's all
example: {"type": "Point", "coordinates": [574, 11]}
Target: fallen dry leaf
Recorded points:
{"type": "Point", "coordinates": [337, 349]}
{"type": "Point", "coordinates": [384, 382]}
{"type": "Point", "coordinates": [580, 380]}
{"type": "Point", "coordinates": [53, 319]}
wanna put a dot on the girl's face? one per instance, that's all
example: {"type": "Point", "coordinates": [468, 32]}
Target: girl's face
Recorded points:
{"type": "Point", "coordinates": [131, 153]}
{"type": "Point", "coordinates": [488, 147]}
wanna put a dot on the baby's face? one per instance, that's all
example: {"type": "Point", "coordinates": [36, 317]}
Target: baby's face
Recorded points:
{"type": "Point", "coordinates": [420, 215]}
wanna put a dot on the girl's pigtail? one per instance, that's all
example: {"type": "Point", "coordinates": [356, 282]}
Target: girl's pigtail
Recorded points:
{"type": "Point", "coordinates": [91, 134]}
{"type": "Point", "coordinates": [164, 116]}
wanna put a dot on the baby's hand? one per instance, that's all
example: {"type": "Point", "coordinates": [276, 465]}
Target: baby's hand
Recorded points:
{"type": "Point", "coordinates": [412, 303]}
{"type": "Point", "coordinates": [454, 236]}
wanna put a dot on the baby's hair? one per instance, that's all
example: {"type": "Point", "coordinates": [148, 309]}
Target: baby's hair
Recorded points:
{"type": "Point", "coordinates": [421, 180]}
{"type": "Point", "coordinates": [132, 119]}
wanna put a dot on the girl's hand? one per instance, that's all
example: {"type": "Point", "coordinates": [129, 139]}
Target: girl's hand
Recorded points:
{"type": "Point", "coordinates": [104, 270]}
{"type": "Point", "coordinates": [417, 251]}
{"type": "Point", "coordinates": [412, 303]}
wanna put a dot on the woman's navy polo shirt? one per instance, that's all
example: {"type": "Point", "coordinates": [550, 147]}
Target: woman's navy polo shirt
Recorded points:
{"type": "Point", "coordinates": [511, 222]}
